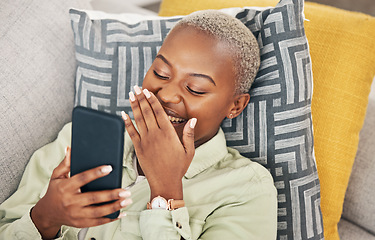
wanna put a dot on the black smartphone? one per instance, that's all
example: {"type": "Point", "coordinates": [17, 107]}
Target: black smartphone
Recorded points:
{"type": "Point", "coordinates": [97, 139]}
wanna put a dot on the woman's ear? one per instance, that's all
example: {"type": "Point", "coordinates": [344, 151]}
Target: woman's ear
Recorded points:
{"type": "Point", "coordinates": [239, 104]}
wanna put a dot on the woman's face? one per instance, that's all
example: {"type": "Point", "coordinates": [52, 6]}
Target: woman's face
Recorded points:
{"type": "Point", "coordinates": [193, 76]}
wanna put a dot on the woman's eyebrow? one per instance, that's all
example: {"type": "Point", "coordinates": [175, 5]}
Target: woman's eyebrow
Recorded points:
{"type": "Point", "coordinates": [161, 57]}
{"type": "Point", "coordinates": [203, 76]}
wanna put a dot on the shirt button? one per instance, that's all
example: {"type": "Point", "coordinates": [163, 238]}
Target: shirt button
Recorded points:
{"type": "Point", "coordinates": [178, 225]}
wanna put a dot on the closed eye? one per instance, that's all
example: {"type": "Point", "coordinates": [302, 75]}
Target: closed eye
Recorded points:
{"type": "Point", "coordinates": [194, 92]}
{"type": "Point", "coordinates": [160, 76]}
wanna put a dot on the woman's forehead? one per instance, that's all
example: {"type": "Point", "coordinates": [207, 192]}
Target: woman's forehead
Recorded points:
{"type": "Point", "coordinates": [196, 43]}
{"type": "Point", "coordinates": [188, 50]}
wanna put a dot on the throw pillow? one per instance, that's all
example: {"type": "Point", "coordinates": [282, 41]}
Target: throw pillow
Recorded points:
{"type": "Point", "coordinates": [114, 52]}
{"type": "Point", "coordinates": [342, 47]}
{"type": "Point", "coordinates": [343, 56]}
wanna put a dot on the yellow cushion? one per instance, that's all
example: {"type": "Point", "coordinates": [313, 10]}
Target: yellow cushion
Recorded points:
{"type": "Point", "coordinates": [176, 7]}
{"type": "Point", "coordinates": [343, 57]}
{"type": "Point", "coordinates": [342, 47]}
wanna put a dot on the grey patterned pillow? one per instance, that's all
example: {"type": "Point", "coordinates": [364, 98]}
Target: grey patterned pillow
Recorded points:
{"type": "Point", "coordinates": [115, 51]}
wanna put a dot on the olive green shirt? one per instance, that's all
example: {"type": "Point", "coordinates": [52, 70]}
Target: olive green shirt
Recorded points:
{"type": "Point", "coordinates": [226, 196]}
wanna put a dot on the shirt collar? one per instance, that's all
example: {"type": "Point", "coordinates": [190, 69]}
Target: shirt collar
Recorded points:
{"type": "Point", "coordinates": [208, 154]}
{"type": "Point", "coordinates": [205, 155]}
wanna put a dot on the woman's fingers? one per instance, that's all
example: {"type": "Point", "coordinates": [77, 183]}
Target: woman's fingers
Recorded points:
{"type": "Point", "coordinates": [137, 112]}
{"type": "Point", "coordinates": [91, 203]}
{"type": "Point", "coordinates": [160, 115]}
{"type": "Point", "coordinates": [91, 198]}
{"type": "Point", "coordinates": [92, 222]}
{"type": "Point", "coordinates": [130, 129]}
{"type": "Point", "coordinates": [188, 137]}
{"type": "Point", "coordinates": [105, 209]}
{"type": "Point", "coordinates": [145, 109]}
{"type": "Point", "coordinates": [148, 112]}
{"type": "Point", "coordinates": [87, 176]}
{"type": "Point", "coordinates": [63, 169]}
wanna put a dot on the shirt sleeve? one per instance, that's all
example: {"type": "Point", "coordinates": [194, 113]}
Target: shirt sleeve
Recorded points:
{"type": "Point", "coordinates": [165, 224]}
{"type": "Point", "coordinates": [15, 221]}
{"type": "Point", "coordinates": [22, 228]}
{"type": "Point", "coordinates": [255, 218]}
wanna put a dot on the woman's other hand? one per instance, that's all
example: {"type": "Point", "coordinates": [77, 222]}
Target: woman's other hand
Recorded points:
{"type": "Point", "coordinates": [162, 157]}
{"type": "Point", "coordinates": [64, 204]}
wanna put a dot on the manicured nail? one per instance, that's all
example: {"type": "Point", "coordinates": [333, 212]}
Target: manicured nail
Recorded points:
{"type": "Point", "coordinates": [106, 169]}
{"type": "Point", "coordinates": [124, 194]}
{"type": "Point", "coordinates": [131, 96]}
{"type": "Point", "coordinates": [121, 215]}
{"type": "Point", "coordinates": [126, 202]}
{"type": "Point", "coordinates": [137, 90]}
{"type": "Point", "coordinates": [146, 93]}
{"type": "Point", "coordinates": [193, 121]}
{"type": "Point", "coordinates": [123, 114]}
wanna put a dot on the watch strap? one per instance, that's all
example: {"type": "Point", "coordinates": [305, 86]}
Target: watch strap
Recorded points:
{"type": "Point", "coordinates": [174, 204]}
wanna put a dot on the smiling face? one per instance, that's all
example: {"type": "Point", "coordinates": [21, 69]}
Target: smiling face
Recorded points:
{"type": "Point", "coordinates": [193, 76]}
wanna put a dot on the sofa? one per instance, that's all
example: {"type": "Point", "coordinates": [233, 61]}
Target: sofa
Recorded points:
{"type": "Point", "coordinates": [37, 71]}
{"type": "Point", "coordinates": [357, 221]}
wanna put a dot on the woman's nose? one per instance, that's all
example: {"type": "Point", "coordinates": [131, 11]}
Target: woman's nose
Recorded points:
{"type": "Point", "coordinates": [170, 94]}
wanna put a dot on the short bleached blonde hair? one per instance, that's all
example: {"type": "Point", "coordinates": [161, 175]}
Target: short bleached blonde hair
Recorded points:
{"type": "Point", "coordinates": [237, 37]}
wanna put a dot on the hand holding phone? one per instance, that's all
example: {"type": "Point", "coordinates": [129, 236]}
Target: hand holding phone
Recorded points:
{"type": "Point", "coordinates": [64, 204]}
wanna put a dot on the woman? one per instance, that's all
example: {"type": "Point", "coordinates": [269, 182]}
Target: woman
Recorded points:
{"type": "Point", "coordinates": [184, 182]}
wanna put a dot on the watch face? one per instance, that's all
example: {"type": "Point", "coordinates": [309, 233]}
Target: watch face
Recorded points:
{"type": "Point", "coordinates": [159, 202]}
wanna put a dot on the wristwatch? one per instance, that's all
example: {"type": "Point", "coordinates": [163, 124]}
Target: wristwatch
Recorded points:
{"type": "Point", "coordinates": [161, 203]}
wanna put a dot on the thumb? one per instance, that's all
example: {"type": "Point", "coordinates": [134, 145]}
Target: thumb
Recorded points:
{"type": "Point", "coordinates": [63, 169]}
{"type": "Point", "coordinates": [188, 137]}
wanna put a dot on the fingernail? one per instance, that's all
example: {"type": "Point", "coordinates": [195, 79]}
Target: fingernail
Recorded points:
{"type": "Point", "coordinates": [193, 121]}
{"type": "Point", "coordinates": [106, 169]}
{"type": "Point", "coordinates": [123, 114]}
{"type": "Point", "coordinates": [131, 96]}
{"type": "Point", "coordinates": [137, 90]}
{"type": "Point", "coordinates": [126, 202]}
{"type": "Point", "coordinates": [124, 194]}
{"type": "Point", "coordinates": [147, 93]}
{"type": "Point", "coordinates": [66, 149]}
{"type": "Point", "coordinates": [123, 214]}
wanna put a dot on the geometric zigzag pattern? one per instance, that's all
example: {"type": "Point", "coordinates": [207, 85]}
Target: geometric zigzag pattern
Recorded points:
{"type": "Point", "coordinates": [275, 129]}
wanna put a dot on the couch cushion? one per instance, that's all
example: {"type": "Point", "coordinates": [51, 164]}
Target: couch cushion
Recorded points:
{"type": "Point", "coordinates": [37, 73]}
{"type": "Point", "coordinates": [115, 51]}
{"type": "Point", "coordinates": [350, 231]}
{"type": "Point", "coordinates": [359, 204]}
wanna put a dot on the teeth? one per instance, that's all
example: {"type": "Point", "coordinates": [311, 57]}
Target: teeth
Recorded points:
{"type": "Point", "coordinates": [175, 119]}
